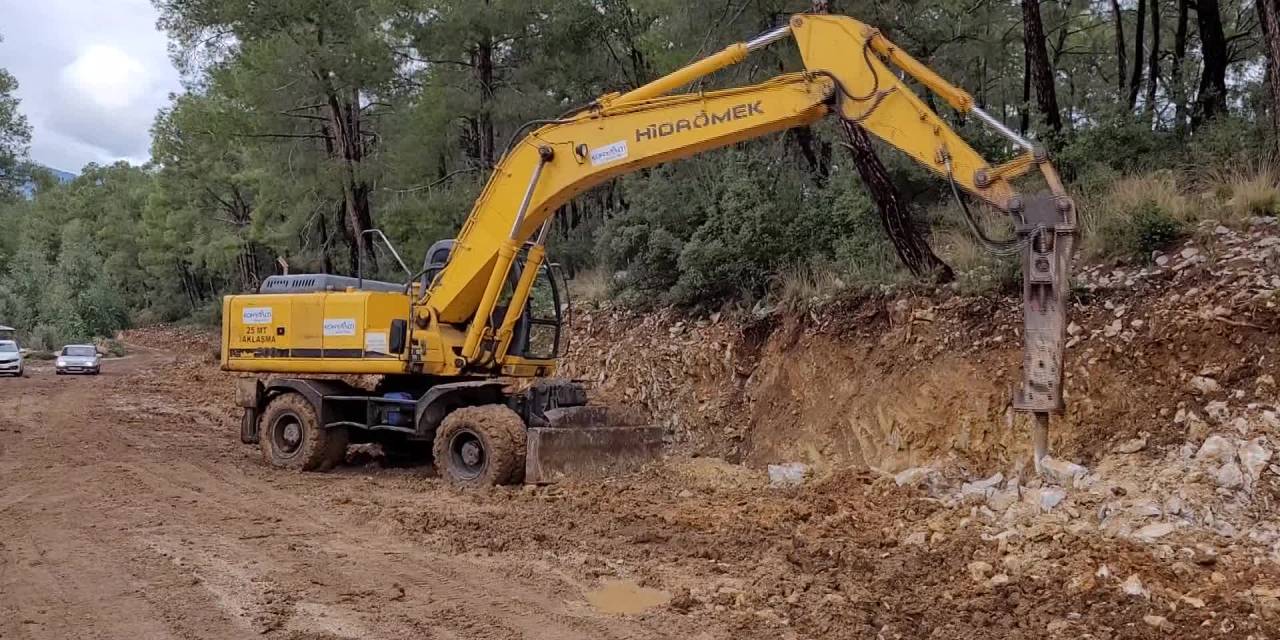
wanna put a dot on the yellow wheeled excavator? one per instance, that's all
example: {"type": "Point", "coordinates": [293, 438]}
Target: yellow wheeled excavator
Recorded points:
{"type": "Point", "coordinates": [467, 348]}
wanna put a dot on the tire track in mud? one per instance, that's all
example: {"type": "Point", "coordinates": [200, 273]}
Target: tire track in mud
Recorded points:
{"type": "Point", "coordinates": [131, 510]}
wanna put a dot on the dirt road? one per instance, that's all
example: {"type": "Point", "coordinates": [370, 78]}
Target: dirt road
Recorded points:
{"type": "Point", "coordinates": [127, 510]}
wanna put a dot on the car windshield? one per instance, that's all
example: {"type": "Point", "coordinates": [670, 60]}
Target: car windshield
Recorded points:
{"type": "Point", "coordinates": [8, 347]}
{"type": "Point", "coordinates": [79, 351]}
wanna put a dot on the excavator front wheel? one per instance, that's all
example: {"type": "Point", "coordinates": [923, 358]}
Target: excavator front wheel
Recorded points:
{"type": "Point", "coordinates": [480, 446]}
{"type": "Point", "coordinates": [292, 438]}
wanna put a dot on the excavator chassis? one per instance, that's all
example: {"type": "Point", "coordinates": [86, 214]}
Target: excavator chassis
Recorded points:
{"type": "Point", "coordinates": [562, 437]}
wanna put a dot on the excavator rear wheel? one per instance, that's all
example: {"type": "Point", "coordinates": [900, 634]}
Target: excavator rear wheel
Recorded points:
{"type": "Point", "coordinates": [291, 436]}
{"type": "Point", "coordinates": [480, 446]}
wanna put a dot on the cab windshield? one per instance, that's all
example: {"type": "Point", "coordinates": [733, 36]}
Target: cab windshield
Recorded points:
{"type": "Point", "coordinates": [80, 352]}
{"type": "Point", "coordinates": [8, 347]}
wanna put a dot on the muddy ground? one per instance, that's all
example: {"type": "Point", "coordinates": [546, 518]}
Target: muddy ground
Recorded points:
{"type": "Point", "coordinates": [129, 509]}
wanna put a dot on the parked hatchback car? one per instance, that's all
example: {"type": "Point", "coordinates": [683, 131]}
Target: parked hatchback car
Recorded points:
{"type": "Point", "coordinates": [10, 358]}
{"type": "Point", "coordinates": [78, 358]}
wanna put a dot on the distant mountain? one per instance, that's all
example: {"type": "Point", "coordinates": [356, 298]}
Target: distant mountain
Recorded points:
{"type": "Point", "coordinates": [28, 190]}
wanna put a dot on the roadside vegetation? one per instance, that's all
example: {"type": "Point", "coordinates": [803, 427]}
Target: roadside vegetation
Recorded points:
{"type": "Point", "coordinates": [308, 122]}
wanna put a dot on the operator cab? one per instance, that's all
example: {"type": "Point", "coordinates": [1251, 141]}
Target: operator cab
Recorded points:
{"type": "Point", "coordinates": [540, 334]}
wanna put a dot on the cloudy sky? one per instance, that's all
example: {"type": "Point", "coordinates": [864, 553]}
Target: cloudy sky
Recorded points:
{"type": "Point", "coordinates": [92, 74]}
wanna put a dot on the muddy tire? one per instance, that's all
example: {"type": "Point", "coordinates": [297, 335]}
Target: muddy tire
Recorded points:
{"type": "Point", "coordinates": [480, 446]}
{"type": "Point", "coordinates": [291, 436]}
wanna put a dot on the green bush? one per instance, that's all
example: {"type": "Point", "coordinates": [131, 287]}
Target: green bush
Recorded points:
{"type": "Point", "coordinates": [1138, 233]}
{"type": "Point", "coordinates": [1121, 143]}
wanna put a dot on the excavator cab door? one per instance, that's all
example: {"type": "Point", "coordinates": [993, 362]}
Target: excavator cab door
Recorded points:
{"type": "Point", "coordinates": [540, 333]}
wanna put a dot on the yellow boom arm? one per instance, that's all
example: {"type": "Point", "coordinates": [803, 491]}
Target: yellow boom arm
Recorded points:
{"type": "Point", "coordinates": [847, 70]}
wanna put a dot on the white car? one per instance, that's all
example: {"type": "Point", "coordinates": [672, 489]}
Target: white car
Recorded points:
{"type": "Point", "coordinates": [10, 358]}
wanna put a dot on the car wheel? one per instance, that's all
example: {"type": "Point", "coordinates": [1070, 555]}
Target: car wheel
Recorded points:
{"type": "Point", "coordinates": [292, 438]}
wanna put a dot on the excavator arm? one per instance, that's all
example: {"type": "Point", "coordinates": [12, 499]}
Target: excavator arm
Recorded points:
{"type": "Point", "coordinates": [849, 72]}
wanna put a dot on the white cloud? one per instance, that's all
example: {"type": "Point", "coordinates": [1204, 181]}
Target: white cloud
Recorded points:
{"type": "Point", "coordinates": [91, 73]}
{"type": "Point", "coordinates": [108, 76]}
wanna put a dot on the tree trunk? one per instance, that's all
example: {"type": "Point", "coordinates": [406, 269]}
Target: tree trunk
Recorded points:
{"type": "Point", "coordinates": [483, 64]}
{"type": "Point", "coordinates": [1122, 67]}
{"type": "Point", "coordinates": [1024, 120]}
{"type": "Point", "coordinates": [1153, 59]}
{"type": "Point", "coordinates": [908, 240]}
{"type": "Point", "coordinates": [1212, 97]}
{"type": "Point", "coordinates": [1177, 83]}
{"type": "Point", "coordinates": [1041, 71]}
{"type": "Point", "coordinates": [816, 153]}
{"type": "Point", "coordinates": [1135, 81]}
{"type": "Point", "coordinates": [344, 121]}
{"type": "Point", "coordinates": [1269, 16]}
{"type": "Point", "coordinates": [326, 262]}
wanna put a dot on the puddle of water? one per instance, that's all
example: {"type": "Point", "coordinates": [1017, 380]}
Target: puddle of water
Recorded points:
{"type": "Point", "coordinates": [625, 596]}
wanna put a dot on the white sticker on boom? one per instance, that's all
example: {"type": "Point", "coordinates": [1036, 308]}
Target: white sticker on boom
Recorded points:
{"type": "Point", "coordinates": [376, 342]}
{"type": "Point", "coordinates": [256, 315]}
{"type": "Point", "coordinates": [609, 153]}
{"type": "Point", "coordinates": [339, 326]}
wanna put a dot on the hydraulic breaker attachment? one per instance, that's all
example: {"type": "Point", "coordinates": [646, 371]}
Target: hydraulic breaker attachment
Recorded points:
{"type": "Point", "coordinates": [588, 441]}
{"type": "Point", "coordinates": [1047, 235]}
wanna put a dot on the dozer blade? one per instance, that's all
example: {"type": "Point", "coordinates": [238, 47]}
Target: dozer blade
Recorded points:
{"type": "Point", "coordinates": [588, 441]}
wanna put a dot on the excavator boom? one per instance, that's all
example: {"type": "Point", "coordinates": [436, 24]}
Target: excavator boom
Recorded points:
{"type": "Point", "coordinates": [848, 73]}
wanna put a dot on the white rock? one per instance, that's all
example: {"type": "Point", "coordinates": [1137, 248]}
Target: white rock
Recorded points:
{"type": "Point", "coordinates": [1159, 622]}
{"type": "Point", "coordinates": [913, 476]}
{"type": "Point", "coordinates": [1173, 506]}
{"type": "Point", "coordinates": [788, 474]}
{"type": "Point", "coordinates": [986, 483]}
{"type": "Point", "coordinates": [1051, 497]}
{"type": "Point", "coordinates": [1271, 419]}
{"type": "Point", "coordinates": [1061, 471]}
{"type": "Point", "coordinates": [1162, 260]}
{"type": "Point", "coordinates": [1190, 252]}
{"type": "Point", "coordinates": [1103, 572]}
{"type": "Point", "coordinates": [1145, 509]}
{"type": "Point", "coordinates": [1221, 230]}
{"type": "Point", "coordinates": [999, 501]}
{"type": "Point", "coordinates": [1229, 476]}
{"type": "Point", "coordinates": [998, 580]}
{"type": "Point", "coordinates": [1119, 311]}
{"type": "Point", "coordinates": [1113, 329]}
{"type": "Point", "coordinates": [1254, 456]}
{"type": "Point", "coordinates": [1133, 445]}
{"type": "Point", "coordinates": [1133, 586]}
{"type": "Point", "coordinates": [917, 539]}
{"type": "Point", "coordinates": [1154, 531]}
{"type": "Point", "coordinates": [1074, 329]}
{"type": "Point", "coordinates": [1204, 385]}
{"type": "Point", "coordinates": [978, 490]}
{"type": "Point", "coordinates": [1216, 449]}
{"type": "Point", "coordinates": [1217, 412]}
{"type": "Point", "coordinates": [1240, 425]}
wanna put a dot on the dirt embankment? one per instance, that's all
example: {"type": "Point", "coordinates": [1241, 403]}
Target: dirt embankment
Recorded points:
{"type": "Point", "coordinates": [890, 382]}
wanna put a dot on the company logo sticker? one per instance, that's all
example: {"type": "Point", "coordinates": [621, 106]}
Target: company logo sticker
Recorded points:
{"type": "Point", "coordinates": [339, 326]}
{"type": "Point", "coordinates": [609, 153]}
{"type": "Point", "coordinates": [256, 315]}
